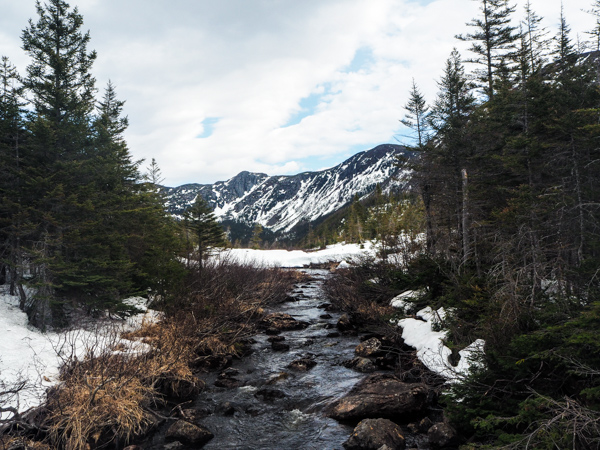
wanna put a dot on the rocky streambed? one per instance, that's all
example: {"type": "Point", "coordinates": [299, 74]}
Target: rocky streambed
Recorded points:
{"type": "Point", "coordinates": [311, 382]}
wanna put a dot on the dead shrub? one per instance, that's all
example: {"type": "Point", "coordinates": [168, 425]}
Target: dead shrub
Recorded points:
{"type": "Point", "coordinates": [345, 289]}
{"type": "Point", "coordinates": [107, 398]}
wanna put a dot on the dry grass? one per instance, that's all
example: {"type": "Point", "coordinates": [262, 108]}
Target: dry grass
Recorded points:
{"type": "Point", "coordinates": [107, 399]}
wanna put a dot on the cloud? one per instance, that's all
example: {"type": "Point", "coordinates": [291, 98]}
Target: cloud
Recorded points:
{"type": "Point", "coordinates": [275, 86]}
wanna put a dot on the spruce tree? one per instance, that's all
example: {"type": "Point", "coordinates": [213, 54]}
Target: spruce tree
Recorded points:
{"type": "Point", "coordinates": [448, 118]}
{"type": "Point", "coordinates": [200, 220]}
{"type": "Point", "coordinates": [416, 115]}
{"type": "Point", "coordinates": [61, 90]}
{"type": "Point", "coordinates": [12, 139]}
{"type": "Point", "coordinates": [492, 41]}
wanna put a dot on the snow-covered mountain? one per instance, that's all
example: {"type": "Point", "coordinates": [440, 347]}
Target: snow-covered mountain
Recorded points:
{"type": "Point", "coordinates": [281, 202]}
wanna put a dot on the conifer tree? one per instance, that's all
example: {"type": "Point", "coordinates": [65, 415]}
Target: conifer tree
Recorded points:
{"type": "Point", "coordinates": [61, 89]}
{"type": "Point", "coordinates": [200, 220]}
{"type": "Point", "coordinates": [12, 137]}
{"type": "Point", "coordinates": [416, 115]}
{"type": "Point", "coordinates": [492, 41]}
{"type": "Point", "coordinates": [448, 118]}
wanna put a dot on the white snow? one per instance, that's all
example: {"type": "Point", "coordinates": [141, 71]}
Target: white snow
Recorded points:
{"type": "Point", "coordinates": [419, 333]}
{"type": "Point", "coordinates": [30, 356]}
{"type": "Point", "coordinates": [299, 258]}
{"type": "Point", "coordinates": [401, 302]}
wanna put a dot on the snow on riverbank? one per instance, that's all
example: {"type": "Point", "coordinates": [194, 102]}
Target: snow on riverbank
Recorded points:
{"type": "Point", "coordinates": [299, 258]}
{"type": "Point", "coordinates": [32, 358]}
{"type": "Point", "coordinates": [420, 333]}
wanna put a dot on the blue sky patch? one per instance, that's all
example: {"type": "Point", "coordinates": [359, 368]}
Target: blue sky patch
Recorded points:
{"type": "Point", "coordinates": [208, 126]}
{"type": "Point", "coordinates": [363, 58]}
{"type": "Point", "coordinates": [308, 106]}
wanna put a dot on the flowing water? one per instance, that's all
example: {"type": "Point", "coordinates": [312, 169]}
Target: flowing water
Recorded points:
{"type": "Point", "coordinates": [296, 420]}
{"type": "Point", "coordinates": [277, 407]}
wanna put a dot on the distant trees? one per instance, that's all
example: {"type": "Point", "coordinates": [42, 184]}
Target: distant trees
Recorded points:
{"type": "Point", "coordinates": [76, 223]}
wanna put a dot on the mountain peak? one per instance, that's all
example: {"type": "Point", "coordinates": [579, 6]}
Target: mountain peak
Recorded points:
{"type": "Point", "coordinates": [279, 203]}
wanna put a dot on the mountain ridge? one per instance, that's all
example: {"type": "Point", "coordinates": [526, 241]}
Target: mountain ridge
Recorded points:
{"type": "Point", "coordinates": [281, 202]}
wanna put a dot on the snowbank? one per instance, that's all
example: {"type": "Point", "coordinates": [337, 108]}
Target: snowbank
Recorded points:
{"type": "Point", "coordinates": [419, 333]}
{"type": "Point", "coordinates": [31, 357]}
{"type": "Point", "coordinates": [298, 258]}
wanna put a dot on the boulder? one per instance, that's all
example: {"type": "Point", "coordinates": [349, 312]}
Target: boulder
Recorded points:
{"type": "Point", "coordinates": [188, 433]}
{"type": "Point", "coordinates": [302, 364]}
{"type": "Point", "coordinates": [279, 346]}
{"type": "Point", "coordinates": [281, 376]}
{"type": "Point", "coordinates": [269, 394]}
{"type": "Point", "coordinates": [441, 435]}
{"type": "Point", "coordinates": [373, 434]}
{"type": "Point", "coordinates": [364, 365]}
{"type": "Point", "coordinates": [180, 389]}
{"type": "Point", "coordinates": [368, 348]}
{"type": "Point", "coordinates": [381, 395]}
{"type": "Point", "coordinates": [281, 322]}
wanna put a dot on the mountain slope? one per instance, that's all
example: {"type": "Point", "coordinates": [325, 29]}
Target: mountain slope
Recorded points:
{"type": "Point", "coordinates": [279, 203]}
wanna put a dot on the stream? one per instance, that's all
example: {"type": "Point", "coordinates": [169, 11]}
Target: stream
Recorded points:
{"type": "Point", "coordinates": [275, 406]}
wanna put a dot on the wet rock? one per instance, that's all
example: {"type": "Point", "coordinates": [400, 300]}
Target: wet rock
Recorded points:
{"type": "Point", "coordinates": [381, 395]}
{"type": "Point", "coordinates": [307, 342]}
{"type": "Point", "coordinates": [226, 409]}
{"type": "Point", "coordinates": [276, 339]}
{"type": "Point", "coordinates": [280, 347]}
{"type": "Point", "coordinates": [194, 415]}
{"type": "Point", "coordinates": [326, 306]}
{"type": "Point", "coordinates": [269, 394]}
{"type": "Point", "coordinates": [372, 434]}
{"type": "Point", "coordinates": [303, 364]}
{"type": "Point", "coordinates": [425, 424]}
{"type": "Point", "coordinates": [441, 435]}
{"type": "Point", "coordinates": [228, 383]}
{"type": "Point", "coordinates": [272, 331]}
{"type": "Point", "coordinates": [345, 325]}
{"type": "Point", "coordinates": [333, 334]}
{"type": "Point", "coordinates": [230, 372]}
{"type": "Point", "coordinates": [278, 377]}
{"type": "Point", "coordinates": [282, 322]}
{"type": "Point", "coordinates": [211, 363]}
{"type": "Point", "coordinates": [325, 316]}
{"type": "Point", "coordinates": [329, 326]}
{"type": "Point", "coordinates": [188, 433]}
{"type": "Point", "coordinates": [360, 364]}
{"type": "Point", "coordinates": [368, 348]}
{"type": "Point", "coordinates": [180, 389]}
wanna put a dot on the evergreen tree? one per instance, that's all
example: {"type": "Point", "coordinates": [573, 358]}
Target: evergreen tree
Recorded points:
{"type": "Point", "coordinates": [492, 41]}
{"type": "Point", "coordinates": [200, 220]}
{"type": "Point", "coordinates": [449, 117]}
{"type": "Point", "coordinates": [416, 115]}
{"type": "Point", "coordinates": [12, 137]}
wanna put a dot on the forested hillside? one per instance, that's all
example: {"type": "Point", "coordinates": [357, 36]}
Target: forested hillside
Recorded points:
{"type": "Point", "coordinates": [509, 176]}
{"type": "Point", "coordinates": [79, 226]}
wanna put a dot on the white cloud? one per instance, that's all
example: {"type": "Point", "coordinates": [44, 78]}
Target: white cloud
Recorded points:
{"type": "Point", "coordinates": [251, 63]}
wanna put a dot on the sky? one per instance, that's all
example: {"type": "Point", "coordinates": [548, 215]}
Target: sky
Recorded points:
{"type": "Point", "coordinates": [213, 88]}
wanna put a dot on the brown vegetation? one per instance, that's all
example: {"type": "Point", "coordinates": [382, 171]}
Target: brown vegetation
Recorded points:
{"type": "Point", "coordinates": [109, 399]}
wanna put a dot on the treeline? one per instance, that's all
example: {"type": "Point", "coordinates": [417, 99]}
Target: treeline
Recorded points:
{"type": "Point", "coordinates": [509, 176]}
{"type": "Point", "coordinates": [382, 217]}
{"type": "Point", "coordinates": [79, 224]}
